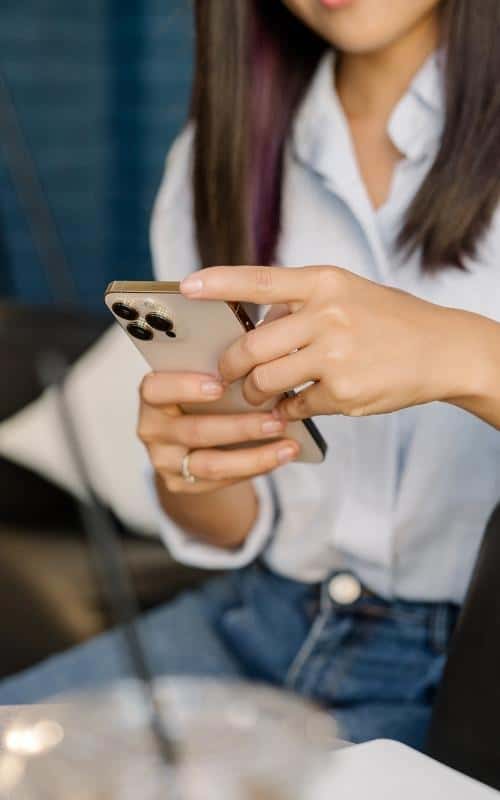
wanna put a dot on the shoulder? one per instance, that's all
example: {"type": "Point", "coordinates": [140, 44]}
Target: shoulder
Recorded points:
{"type": "Point", "coordinates": [172, 232]}
{"type": "Point", "coordinates": [180, 156]}
{"type": "Point", "coordinates": [176, 181]}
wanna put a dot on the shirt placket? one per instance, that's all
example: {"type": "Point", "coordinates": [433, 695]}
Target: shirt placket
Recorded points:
{"type": "Point", "coordinates": [375, 474]}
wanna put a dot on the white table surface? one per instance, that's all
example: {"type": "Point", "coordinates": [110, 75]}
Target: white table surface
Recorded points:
{"type": "Point", "coordinates": [386, 770]}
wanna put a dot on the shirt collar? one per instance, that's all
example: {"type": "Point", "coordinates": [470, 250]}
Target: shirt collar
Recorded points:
{"type": "Point", "coordinates": [415, 125]}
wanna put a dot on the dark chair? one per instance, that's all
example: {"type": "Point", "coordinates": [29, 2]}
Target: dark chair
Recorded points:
{"type": "Point", "coordinates": [48, 594]}
{"type": "Point", "coordinates": [465, 730]}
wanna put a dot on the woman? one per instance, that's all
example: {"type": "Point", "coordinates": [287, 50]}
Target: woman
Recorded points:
{"type": "Point", "coordinates": [354, 132]}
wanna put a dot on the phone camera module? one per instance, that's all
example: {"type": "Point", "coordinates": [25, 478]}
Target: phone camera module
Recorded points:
{"type": "Point", "coordinates": [140, 330]}
{"type": "Point", "coordinates": [160, 322]}
{"type": "Point", "coordinates": [125, 311]}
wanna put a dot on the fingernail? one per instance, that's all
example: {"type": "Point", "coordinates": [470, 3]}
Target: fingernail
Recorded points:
{"type": "Point", "coordinates": [191, 286]}
{"type": "Point", "coordinates": [272, 426]}
{"type": "Point", "coordinates": [211, 388]}
{"type": "Point", "coordinates": [276, 413]}
{"type": "Point", "coordinates": [286, 454]}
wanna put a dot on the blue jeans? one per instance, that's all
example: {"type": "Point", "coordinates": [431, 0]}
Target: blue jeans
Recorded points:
{"type": "Point", "coordinates": [374, 664]}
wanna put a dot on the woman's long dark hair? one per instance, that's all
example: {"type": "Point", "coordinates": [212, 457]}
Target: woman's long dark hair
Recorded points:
{"type": "Point", "coordinates": [254, 62]}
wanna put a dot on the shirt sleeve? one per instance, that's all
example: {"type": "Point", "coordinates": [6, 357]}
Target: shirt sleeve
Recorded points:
{"type": "Point", "coordinates": [189, 550]}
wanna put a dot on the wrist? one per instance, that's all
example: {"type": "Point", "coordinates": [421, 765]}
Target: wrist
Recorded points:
{"type": "Point", "coordinates": [222, 517]}
{"type": "Point", "coordinates": [475, 361]}
{"type": "Point", "coordinates": [446, 369]}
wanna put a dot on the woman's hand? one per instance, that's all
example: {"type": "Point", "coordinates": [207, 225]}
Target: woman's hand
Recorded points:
{"type": "Point", "coordinates": [169, 435]}
{"type": "Point", "coordinates": [368, 349]}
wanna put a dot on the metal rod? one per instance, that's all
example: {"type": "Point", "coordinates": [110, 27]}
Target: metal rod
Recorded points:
{"type": "Point", "coordinates": [113, 573]}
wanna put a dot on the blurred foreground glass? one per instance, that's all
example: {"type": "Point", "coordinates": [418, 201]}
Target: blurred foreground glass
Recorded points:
{"type": "Point", "coordinates": [235, 741]}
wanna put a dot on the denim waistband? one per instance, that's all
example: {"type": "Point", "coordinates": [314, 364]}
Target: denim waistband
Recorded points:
{"type": "Point", "coordinates": [438, 618]}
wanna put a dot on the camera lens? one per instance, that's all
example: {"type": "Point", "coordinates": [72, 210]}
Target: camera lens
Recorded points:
{"type": "Point", "coordinates": [125, 311]}
{"type": "Point", "coordinates": [139, 330]}
{"type": "Point", "coordinates": [160, 322]}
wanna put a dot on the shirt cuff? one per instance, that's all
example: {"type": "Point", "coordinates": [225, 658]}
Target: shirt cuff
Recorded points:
{"type": "Point", "coordinates": [189, 550]}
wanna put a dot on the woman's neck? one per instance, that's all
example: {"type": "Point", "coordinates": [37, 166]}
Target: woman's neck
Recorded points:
{"type": "Point", "coordinates": [371, 84]}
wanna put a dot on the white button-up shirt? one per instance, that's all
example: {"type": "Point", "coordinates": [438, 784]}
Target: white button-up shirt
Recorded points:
{"type": "Point", "coordinates": [402, 499]}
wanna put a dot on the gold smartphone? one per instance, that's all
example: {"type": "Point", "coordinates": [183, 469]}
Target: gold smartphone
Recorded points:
{"type": "Point", "coordinates": [175, 334]}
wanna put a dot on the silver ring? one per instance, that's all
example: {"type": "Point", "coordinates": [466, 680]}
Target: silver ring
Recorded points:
{"type": "Point", "coordinates": [186, 472]}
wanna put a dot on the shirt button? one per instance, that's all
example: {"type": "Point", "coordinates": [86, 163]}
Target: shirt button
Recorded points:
{"type": "Point", "coordinates": [344, 589]}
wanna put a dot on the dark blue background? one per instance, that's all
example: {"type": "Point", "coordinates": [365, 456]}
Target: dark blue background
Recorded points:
{"type": "Point", "coordinates": [100, 88]}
